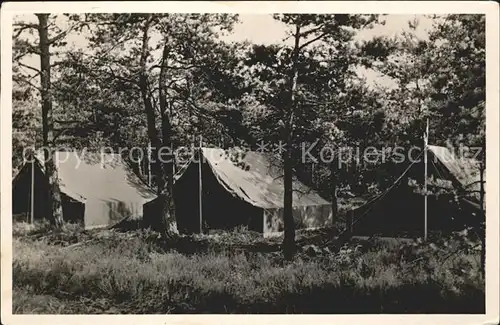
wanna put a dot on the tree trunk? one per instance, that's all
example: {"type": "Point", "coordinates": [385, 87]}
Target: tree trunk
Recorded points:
{"type": "Point", "coordinates": [170, 220]}
{"type": "Point", "coordinates": [54, 205]}
{"type": "Point", "coordinates": [148, 164]}
{"type": "Point", "coordinates": [481, 201]}
{"type": "Point", "coordinates": [152, 135]}
{"type": "Point", "coordinates": [151, 117]}
{"type": "Point", "coordinates": [136, 165]}
{"type": "Point", "coordinates": [355, 188]}
{"type": "Point", "coordinates": [166, 129]}
{"type": "Point", "coordinates": [289, 224]}
{"type": "Point", "coordinates": [333, 191]}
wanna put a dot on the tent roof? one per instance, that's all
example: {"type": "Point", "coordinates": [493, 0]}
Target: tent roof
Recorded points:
{"type": "Point", "coordinates": [464, 170]}
{"type": "Point", "coordinates": [107, 177]}
{"type": "Point", "coordinates": [261, 184]}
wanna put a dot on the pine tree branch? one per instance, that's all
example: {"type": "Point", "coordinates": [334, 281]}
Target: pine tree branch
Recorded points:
{"type": "Point", "coordinates": [59, 132]}
{"type": "Point", "coordinates": [29, 67]}
{"type": "Point", "coordinates": [312, 30]}
{"type": "Point", "coordinates": [313, 40]}
{"type": "Point", "coordinates": [20, 79]}
{"type": "Point", "coordinates": [24, 47]}
{"type": "Point", "coordinates": [204, 113]}
{"type": "Point", "coordinates": [121, 78]}
{"type": "Point", "coordinates": [66, 122]}
{"type": "Point", "coordinates": [474, 191]}
{"type": "Point", "coordinates": [309, 191]}
{"type": "Point", "coordinates": [187, 67]}
{"type": "Point", "coordinates": [23, 27]}
{"type": "Point", "coordinates": [105, 54]}
{"type": "Point", "coordinates": [61, 35]}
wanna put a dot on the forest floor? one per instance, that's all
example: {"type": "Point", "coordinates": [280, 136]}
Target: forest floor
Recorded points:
{"type": "Point", "coordinates": [139, 272]}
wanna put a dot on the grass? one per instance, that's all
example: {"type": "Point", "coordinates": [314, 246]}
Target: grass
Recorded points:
{"type": "Point", "coordinates": [139, 272]}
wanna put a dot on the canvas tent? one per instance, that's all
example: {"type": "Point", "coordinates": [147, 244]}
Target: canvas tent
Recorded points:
{"type": "Point", "coordinates": [98, 190]}
{"type": "Point", "coordinates": [400, 209]}
{"type": "Point", "coordinates": [245, 192]}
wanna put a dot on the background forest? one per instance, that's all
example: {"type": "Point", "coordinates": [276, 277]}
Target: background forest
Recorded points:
{"type": "Point", "coordinates": [173, 78]}
{"type": "Point", "coordinates": [167, 80]}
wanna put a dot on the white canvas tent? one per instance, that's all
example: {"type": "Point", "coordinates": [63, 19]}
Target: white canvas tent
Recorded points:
{"type": "Point", "coordinates": [98, 190]}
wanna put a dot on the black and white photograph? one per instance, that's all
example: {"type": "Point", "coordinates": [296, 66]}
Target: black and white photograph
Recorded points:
{"type": "Point", "coordinates": [195, 161]}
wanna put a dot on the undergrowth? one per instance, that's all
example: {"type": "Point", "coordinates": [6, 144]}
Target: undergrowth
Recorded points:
{"type": "Point", "coordinates": [141, 272]}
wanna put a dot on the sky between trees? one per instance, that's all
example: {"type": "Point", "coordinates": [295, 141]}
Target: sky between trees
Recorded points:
{"type": "Point", "coordinates": [263, 29]}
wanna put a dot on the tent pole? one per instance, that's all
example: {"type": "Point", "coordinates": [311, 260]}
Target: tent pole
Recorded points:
{"type": "Point", "coordinates": [426, 141]}
{"type": "Point", "coordinates": [149, 163]}
{"type": "Point", "coordinates": [200, 185]}
{"type": "Point", "coordinates": [32, 193]}
{"type": "Point", "coordinates": [174, 160]}
{"type": "Point", "coordinates": [312, 175]}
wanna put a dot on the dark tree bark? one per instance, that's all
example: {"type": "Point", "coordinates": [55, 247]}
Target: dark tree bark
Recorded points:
{"type": "Point", "coordinates": [289, 224]}
{"type": "Point", "coordinates": [148, 105]}
{"type": "Point", "coordinates": [54, 196]}
{"type": "Point", "coordinates": [333, 190]}
{"type": "Point", "coordinates": [168, 166]}
{"type": "Point", "coordinates": [482, 167]}
{"type": "Point", "coordinates": [160, 170]}
{"type": "Point", "coordinates": [149, 109]}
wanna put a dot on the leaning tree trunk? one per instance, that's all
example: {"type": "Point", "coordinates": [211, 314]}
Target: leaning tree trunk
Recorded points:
{"type": "Point", "coordinates": [54, 205]}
